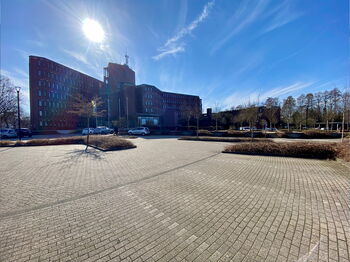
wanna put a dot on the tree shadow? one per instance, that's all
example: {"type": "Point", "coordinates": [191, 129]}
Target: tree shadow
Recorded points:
{"type": "Point", "coordinates": [75, 155]}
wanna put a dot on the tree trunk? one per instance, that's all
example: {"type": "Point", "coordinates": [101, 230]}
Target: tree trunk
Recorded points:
{"type": "Point", "coordinates": [197, 126]}
{"type": "Point", "coordinates": [88, 135]}
{"type": "Point", "coordinates": [342, 126]}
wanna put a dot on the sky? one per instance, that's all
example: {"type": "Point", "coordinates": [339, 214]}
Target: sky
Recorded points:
{"type": "Point", "coordinates": [228, 52]}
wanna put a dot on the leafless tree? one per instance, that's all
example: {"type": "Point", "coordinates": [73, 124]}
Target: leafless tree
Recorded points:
{"type": "Point", "coordinates": [8, 101]}
{"type": "Point", "coordinates": [288, 109]}
{"type": "Point", "coordinates": [272, 107]}
{"type": "Point", "coordinates": [217, 108]}
{"type": "Point", "coordinates": [82, 106]}
{"type": "Point", "coordinates": [187, 113]}
{"type": "Point", "coordinates": [249, 114]}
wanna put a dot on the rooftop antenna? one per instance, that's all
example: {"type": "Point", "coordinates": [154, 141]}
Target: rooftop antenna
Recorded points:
{"type": "Point", "coordinates": [126, 57]}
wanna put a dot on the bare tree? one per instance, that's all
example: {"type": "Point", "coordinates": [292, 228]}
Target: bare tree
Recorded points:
{"type": "Point", "coordinates": [196, 112]}
{"type": "Point", "coordinates": [8, 101]}
{"type": "Point", "coordinates": [346, 109]}
{"type": "Point", "coordinates": [272, 107]}
{"type": "Point", "coordinates": [216, 114]}
{"type": "Point", "coordinates": [288, 109]}
{"type": "Point", "coordinates": [84, 107]}
{"type": "Point", "coordinates": [250, 115]}
{"type": "Point", "coordinates": [309, 104]}
{"type": "Point", "coordinates": [301, 105]}
{"type": "Point", "coordinates": [187, 113]}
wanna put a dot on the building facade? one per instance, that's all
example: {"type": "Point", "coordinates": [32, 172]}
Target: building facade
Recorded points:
{"type": "Point", "coordinates": [53, 87]}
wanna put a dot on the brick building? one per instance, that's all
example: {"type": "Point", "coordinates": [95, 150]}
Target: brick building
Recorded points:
{"type": "Point", "coordinates": [53, 87]}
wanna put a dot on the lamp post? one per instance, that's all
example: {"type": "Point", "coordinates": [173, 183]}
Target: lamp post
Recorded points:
{"type": "Point", "coordinates": [18, 113]}
{"type": "Point", "coordinates": [94, 110]}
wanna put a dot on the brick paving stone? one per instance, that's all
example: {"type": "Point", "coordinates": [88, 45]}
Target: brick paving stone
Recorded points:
{"type": "Point", "coordinates": [170, 200]}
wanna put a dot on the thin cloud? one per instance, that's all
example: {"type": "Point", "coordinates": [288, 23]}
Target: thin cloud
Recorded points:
{"type": "Point", "coordinates": [247, 14]}
{"type": "Point", "coordinates": [280, 91]}
{"type": "Point", "coordinates": [284, 16]}
{"type": "Point", "coordinates": [172, 51]}
{"type": "Point", "coordinates": [77, 56]}
{"type": "Point", "coordinates": [172, 45]}
{"type": "Point", "coordinates": [241, 19]}
{"type": "Point", "coordinates": [245, 97]}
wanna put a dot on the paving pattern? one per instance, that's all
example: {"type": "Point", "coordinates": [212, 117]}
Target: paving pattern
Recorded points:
{"type": "Point", "coordinates": [170, 200]}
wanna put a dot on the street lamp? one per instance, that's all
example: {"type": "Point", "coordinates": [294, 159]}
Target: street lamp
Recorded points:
{"type": "Point", "coordinates": [94, 110]}
{"type": "Point", "coordinates": [18, 113]}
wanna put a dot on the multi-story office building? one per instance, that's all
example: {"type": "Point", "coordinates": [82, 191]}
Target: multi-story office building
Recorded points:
{"type": "Point", "coordinates": [53, 87]}
{"type": "Point", "coordinates": [52, 90]}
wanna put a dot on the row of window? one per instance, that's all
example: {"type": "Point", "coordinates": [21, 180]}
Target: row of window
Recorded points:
{"type": "Point", "coordinates": [48, 113]}
{"type": "Point", "coordinates": [60, 70]}
{"type": "Point", "coordinates": [52, 94]}
{"type": "Point", "coordinates": [53, 123]}
{"type": "Point", "coordinates": [52, 104]}
{"type": "Point", "coordinates": [66, 85]}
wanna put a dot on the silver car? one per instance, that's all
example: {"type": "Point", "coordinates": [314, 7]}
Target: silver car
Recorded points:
{"type": "Point", "coordinates": [139, 131]}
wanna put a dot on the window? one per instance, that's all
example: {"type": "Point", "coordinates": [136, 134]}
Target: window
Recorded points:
{"type": "Point", "coordinates": [40, 113]}
{"type": "Point", "coordinates": [41, 123]}
{"type": "Point", "coordinates": [39, 73]}
{"type": "Point", "coordinates": [40, 103]}
{"type": "Point", "coordinates": [39, 92]}
{"type": "Point", "coordinates": [39, 83]}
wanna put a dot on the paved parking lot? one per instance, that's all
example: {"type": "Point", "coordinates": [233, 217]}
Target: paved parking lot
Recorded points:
{"type": "Point", "coordinates": [170, 200]}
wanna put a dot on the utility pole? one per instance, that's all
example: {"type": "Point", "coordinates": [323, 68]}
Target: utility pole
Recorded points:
{"type": "Point", "coordinates": [109, 125]}
{"type": "Point", "coordinates": [18, 114]}
{"type": "Point", "coordinates": [127, 113]}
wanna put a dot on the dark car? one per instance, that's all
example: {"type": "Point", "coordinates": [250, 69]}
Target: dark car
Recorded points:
{"type": "Point", "coordinates": [24, 132]}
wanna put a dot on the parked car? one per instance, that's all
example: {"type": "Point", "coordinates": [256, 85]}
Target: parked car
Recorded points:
{"type": "Point", "coordinates": [273, 129]}
{"type": "Point", "coordinates": [87, 131]}
{"type": "Point", "coordinates": [24, 132]}
{"type": "Point", "coordinates": [8, 133]}
{"type": "Point", "coordinates": [103, 130]}
{"type": "Point", "coordinates": [246, 128]}
{"type": "Point", "coordinates": [139, 131]}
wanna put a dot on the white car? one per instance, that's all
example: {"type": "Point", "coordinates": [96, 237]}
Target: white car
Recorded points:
{"type": "Point", "coordinates": [103, 130]}
{"type": "Point", "coordinates": [139, 131]}
{"type": "Point", "coordinates": [88, 131]}
{"type": "Point", "coordinates": [8, 133]}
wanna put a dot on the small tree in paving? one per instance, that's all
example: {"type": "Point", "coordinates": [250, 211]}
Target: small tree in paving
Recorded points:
{"type": "Point", "coordinates": [87, 108]}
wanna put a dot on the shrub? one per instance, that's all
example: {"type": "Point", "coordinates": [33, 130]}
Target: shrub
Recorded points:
{"type": "Point", "coordinates": [7, 143]}
{"type": "Point", "coordinates": [54, 141]}
{"type": "Point", "coordinates": [236, 133]}
{"type": "Point", "coordinates": [203, 132]}
{"type": "Point", "coordinates": [103, 142]}
{"type": "Point", "coordinates": [314, 133]}
{"type": "Point", "coordinates": [110, 142]}
{"type": "Point", "coordinates": [296, 149]}
{"type": "Point", "coordinates": [343, 150]}
{"type": "Point", "coordinates": [224, 139]}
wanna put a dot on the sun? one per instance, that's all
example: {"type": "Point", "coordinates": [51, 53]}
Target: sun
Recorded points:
{"type": "Point", "coordinates": [93, 30]}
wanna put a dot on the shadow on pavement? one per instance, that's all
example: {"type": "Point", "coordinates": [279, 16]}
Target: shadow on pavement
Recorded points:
{"type": "Point", "coordinates": [5, 149]}
{"type": "Point", "coordinates": [74, 155]}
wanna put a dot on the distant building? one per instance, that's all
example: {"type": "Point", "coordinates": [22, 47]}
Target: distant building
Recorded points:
{"type": "Point", "coordinates": [53, 87]}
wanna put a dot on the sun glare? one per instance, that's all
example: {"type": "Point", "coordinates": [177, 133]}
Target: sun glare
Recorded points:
{"type": "Point", "coordinates": [93, 30]}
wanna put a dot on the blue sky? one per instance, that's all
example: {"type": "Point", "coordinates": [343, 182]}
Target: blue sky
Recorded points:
{"type": "Point", "coordinates": [227, 52]}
